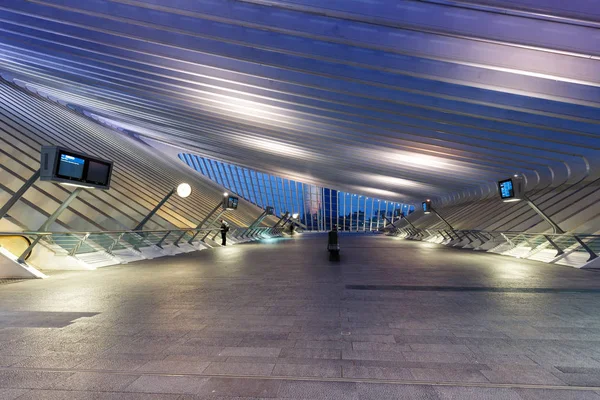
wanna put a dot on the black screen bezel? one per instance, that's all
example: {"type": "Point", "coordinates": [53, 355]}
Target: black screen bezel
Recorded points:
{"type": "Point", "coordinates": [512, 190]}
{"type": "Point", "coordinates": [109, 173]}
{"type": "Point", "coordinates": [86, 162]}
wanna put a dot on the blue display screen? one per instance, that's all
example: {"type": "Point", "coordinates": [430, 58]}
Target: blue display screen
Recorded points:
{"type": "Point", "coordinates": [506, 189]}
{"type": "Point", "coordinates": [70, 167]}
{"type": "Point", "coordinates": [232, 203]}
{"type": "Point", "coordinates": [424, 204]}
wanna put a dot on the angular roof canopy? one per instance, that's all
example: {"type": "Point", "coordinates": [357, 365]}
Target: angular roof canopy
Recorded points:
{"type": "Point", "coordinates": [396, 99]}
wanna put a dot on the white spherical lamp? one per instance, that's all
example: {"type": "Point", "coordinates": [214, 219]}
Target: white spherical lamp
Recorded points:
{"type": "Point", "coordinates": [184, 190]}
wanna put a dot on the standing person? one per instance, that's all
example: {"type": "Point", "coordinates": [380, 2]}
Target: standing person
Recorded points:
{"type": "Point", "coordinates": [224, 230]}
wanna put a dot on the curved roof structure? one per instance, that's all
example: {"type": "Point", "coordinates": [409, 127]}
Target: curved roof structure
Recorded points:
{"type": "Point", "coordinates": [389, 98]}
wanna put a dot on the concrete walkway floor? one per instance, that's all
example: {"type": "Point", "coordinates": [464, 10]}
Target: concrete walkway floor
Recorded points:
{"type": "Point", "coordinates": [393, 320]}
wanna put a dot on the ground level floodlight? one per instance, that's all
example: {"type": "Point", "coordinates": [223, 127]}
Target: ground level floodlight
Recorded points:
{"type": "Point", "coordinates": [426, 206]}
{"type": "Point", "coordinates": [295, 215]}
{"type": "Point", "coordinates": [184, 190]}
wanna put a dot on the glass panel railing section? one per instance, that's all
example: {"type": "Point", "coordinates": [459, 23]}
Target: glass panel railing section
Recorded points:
{"type": "Point", "coordinates": [565, 241]}
{"type": "Point", "coordinates": [169, 238]}
{"type": "Point", "coordinates": [537, 240]}
{"type": "Point", "coordinates": [187, 236]}
{"type": "Point", "coordinates": [65, 241]}
{"type": "Point", "coordinates": [135, 240]}
{"type": "Point", "coordinates": [85, 247]}
{"type": "Point", "coordinates": [592, 242]}
{"type": "Point", "coordinates": [153, 237]}
{"type": "Point", "coordinates": [106, 241]}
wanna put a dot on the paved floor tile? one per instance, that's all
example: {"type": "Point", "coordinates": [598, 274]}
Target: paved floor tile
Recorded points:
{"type": "Point", "coordinates": [166, 384]}
{"type": "Point", "coordinates": [437, 357]}
{"type": "Point", "coordinates": [250, 351]}
{"type": "Point", "coordinates": [537, 394]}
{"type": "Point", "coordinates": [311, 353]}
{"type": "Point", "coordinates": [372, 355]}
{"type": "Point", "coordinates": [16, 379]}
{"type": "Point", "coordinates": [86, 395]}
{"type": "Point", "coordinates": [318, 390]}
{"type": "Point", "coordinates": [380, 346]}
{"type": "Point", "coordinates": [366, 372]}
{"type": "Point", "coordinates": [174, 367]}
{"type": "Point", "coordinates": [367, 391]}
{"type": "Point", "coordinates": [242, 388]}
{"type": "Point", "coordinates": [580, 379]}
{"type": "Point", "coordinates": [475, 393]}
{"type": "Point", "coordinates": [307, 370]}
{"type": "Point", "coordinates": [102, 364]}
{"type": "Point", "coordinates": [12, 394]}
{"type": "Point", "coordinates": [447, 375]}
{"type": "Point", "coordinates": [7, 361]}
{"type": "Point", "coordinates": [535, 376]}
{"type": "Point", "coordinates": [92, 381]}
{"type": "Point", "coordinates": [440, 348]}
{"type": "Point", "coordinates": [49, 362]}
{"type": "Point", "coordinates": [258, 369]}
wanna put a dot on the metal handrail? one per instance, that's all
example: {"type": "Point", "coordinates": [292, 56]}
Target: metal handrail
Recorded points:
{"type": "Point", "coordinates": [510, 237]}
{"type": "Point", "coordinates": [154, 237]}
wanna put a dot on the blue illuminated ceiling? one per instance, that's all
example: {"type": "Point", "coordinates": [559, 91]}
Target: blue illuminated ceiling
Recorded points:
{"type": "Point", "coordinates": [395, 99]}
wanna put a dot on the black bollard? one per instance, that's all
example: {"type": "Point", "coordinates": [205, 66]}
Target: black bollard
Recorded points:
{"type": "Point", "coordinates": [333, 245]}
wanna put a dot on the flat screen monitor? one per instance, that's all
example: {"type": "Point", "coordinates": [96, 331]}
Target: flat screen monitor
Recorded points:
{"type": "Point", "coordinates": [70, 166]}
{"type": "Point", "coordinates": [231, 203]}
{"type": "Point", "coordinates": [507, 189]}
{"type": "Point", "coordinates": [426, 206]}
{"type": "Point", "coordinates": [98, 173]}
{"type": "Point", "coordinates": [65, 166]}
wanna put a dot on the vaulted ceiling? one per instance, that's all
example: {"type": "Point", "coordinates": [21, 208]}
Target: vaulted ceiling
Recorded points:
{"type": "Point", "coordinates": [397, 99]}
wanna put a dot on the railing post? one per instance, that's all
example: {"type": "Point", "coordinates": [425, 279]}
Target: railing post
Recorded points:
{"type": "Point", "coordinates": [466, 233]}
{"type": "Point", "coordinates": [78, 245]}
{"type": "Point", "coordinates": [587, 248]}
{"type": "Point", "coordinates": [558, 249]}
{"type": "Point", "coordinates": [28, 250]}
{"type": "Point", "coordinates": [507, 239]}
{"type": "Point", "coordinates": [160, 242]}
{"type": "Point", "coordinates": [114, 243]}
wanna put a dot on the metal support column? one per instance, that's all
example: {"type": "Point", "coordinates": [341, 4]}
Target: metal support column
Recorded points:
{"type": "Point", "coordinates": [59, 210]}
{"type": "Point", "coordinates": [199, 226]}
{"type": "Point", "coordinates": [555, 227]}
{"type": "Point", "coordinates": [211, 222]}
{"type": "Point", "coordinates": [447, 223]}
{"type": "Point", "coordinates": [50, 221]}
{"type": "Point", "coordinates": [256, 222]}
{"type": "Point", "coordinates": [284, 217]}
{"type": "Point", "coordinates": [19, 193]}
{"type": "Point", "coordinates": [158, 206]}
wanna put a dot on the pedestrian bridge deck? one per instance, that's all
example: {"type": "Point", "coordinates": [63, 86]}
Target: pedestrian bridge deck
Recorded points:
{"type": "Point", "coordinates": [394, 319]}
